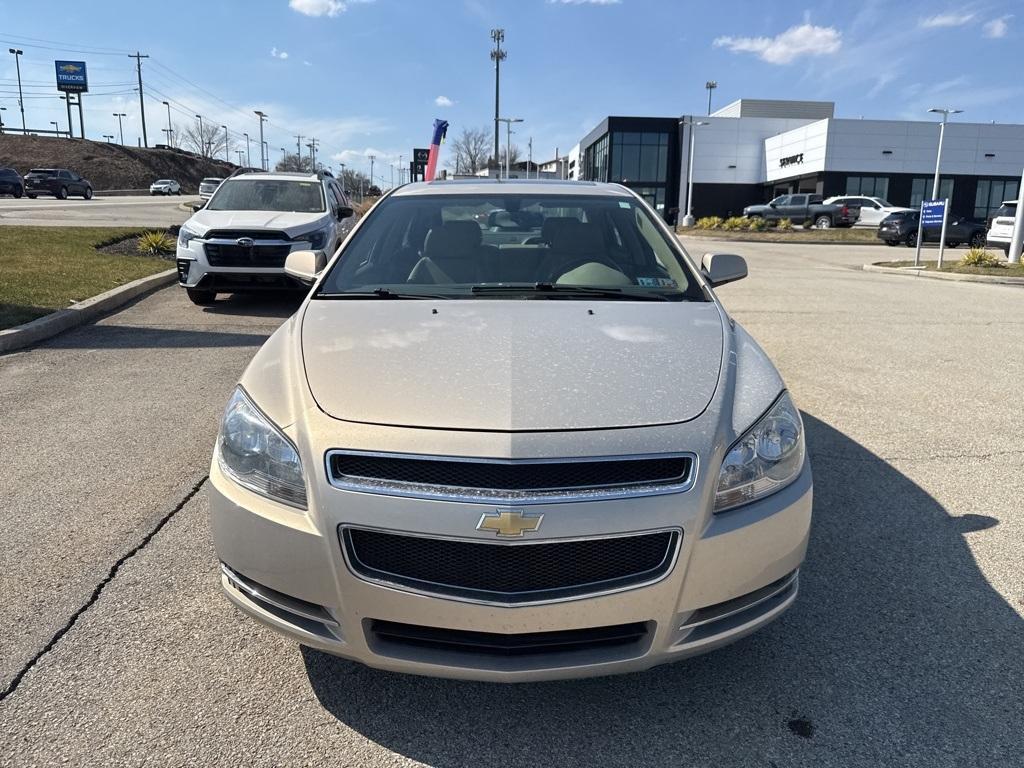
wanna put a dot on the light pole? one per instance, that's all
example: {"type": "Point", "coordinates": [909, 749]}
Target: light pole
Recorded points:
{"type": "Point", "coordinates": [227, 150]}
{"type": "Point", "coordinates": [284, 154]}
{"type": "Point", "coordinates": [120, 126]}
{"type": "Point", "coordinates": [945, 112]}
{"type": "Point", "coordinates": [17, 64]}
{"type": "Point", "coordinates": [710, 85]}
{"type": "Point", "coordinates": [497, 56]}
{"type": "Point", "coordinates": [56, 127]}
{"type": "Point", "coordinates": [170, 131]}
{"type": "Point", "coordinates": [241, 156]}
{"type": "Point", "coordinates": [109, 137]}
{"type": "Point", "coordinates": [248, 157]}
{"type": "Point", "coordinates": [202, 136]}
{"type": "Point", "coordinates": [2, 110]}
{"type": "Point", "coordinates": [372, 158]}
{"type": "Point", "coordinates": [1017, 239]}
{"type": "Point", "coordinates": [262, 116]}
{"type": "Point", "coordinates": [265, 149]}
{"type": "Point", "coordinates": [688, 219]}
{"type": "Point", "coordinates": [508, 141]}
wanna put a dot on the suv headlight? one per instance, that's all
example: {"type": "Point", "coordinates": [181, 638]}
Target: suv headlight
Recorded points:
{"type": "Point", "coordinates": [185, 235]}
{"type": "Point", "coordinates": [765, 459]}
{"type": "Point", "coordinates": [317, 238]}
{"type": "Point", "coordinates": [254, 453]}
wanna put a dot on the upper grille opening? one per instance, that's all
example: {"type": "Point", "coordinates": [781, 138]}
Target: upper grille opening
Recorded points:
{"type": "Point", "coordinates": [499, 477]}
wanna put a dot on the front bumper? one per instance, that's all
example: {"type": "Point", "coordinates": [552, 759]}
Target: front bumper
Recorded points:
{"type": "Point", "coordinates": [731, 576]}
{"type": "Point", "coordinates": [195, 271]}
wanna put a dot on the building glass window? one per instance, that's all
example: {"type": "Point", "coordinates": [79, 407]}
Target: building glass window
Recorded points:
{"type": "Point", "coordinates": [921, 189]}
{"type": "Point", "coordinates": [991, 194]}
{"type": "Point", "coordinates": [640, 157]}
{"type": "Point", "coordinates": [595, 160]}
{"type": "Point", "coordinates": [869, 186]}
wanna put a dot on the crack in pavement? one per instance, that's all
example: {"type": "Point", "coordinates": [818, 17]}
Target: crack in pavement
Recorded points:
{"type": "Point", "coordinates": [98, 590]}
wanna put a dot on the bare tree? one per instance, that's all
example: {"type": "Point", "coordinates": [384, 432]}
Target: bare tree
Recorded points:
{"type": "Point", "coordinates": [514, 156]}
{"type": "Point", "coordinates": [294, 162]}
{"type": "Point", "coordinates": [469, 150]}
{"type": "Point", "coordinates": [209, 142]}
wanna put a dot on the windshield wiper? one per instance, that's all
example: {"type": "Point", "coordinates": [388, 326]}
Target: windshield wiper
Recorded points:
{"type": "Point", "coordinates": [380, 293]}
{"type": "Point", "coordinates": [587, 291]}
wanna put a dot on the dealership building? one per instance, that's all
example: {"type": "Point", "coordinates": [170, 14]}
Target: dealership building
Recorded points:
{"type": "Point", "coordinates": [755, 149]}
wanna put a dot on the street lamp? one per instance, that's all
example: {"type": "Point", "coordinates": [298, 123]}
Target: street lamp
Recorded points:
{"type": "Point", "coordinates": [170, 131]}
{"type": "Point", "coordinates": [56, 128]}
{"type": "Point", "coordinates": [945, 112]}
{"type": "Point", "coordinates": [241, 156]}
{"type": "Point", "coordinates": [710, 85]}
{"type": "Point", "coordinates": [508, 141]}
{"type": "Point", "coordinates": [248, 158]}
{"type": "Point", "coordinates": [262, 116]}
{"type": "Point", "coordinates": [17, 63]}
{"type": "Point", "coordinates": [202, 137]}
{"type": "Point", "coordinates": [109, 137]}
{"type": "Point", "coordinates": [120, 127]}
{"type": "Point", "coordinates": [688, 219]}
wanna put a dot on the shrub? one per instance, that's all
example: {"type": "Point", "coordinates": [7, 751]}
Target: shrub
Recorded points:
{"type": "Point", "coordinates": [786, 225]}
{"type": "Point", "coordinates": [734, 223]}
{"type": "Point", "coordinates": [710, 222]}
{"type": "Point", "coordinates": [979, 257]}
{"type": "Point", "coordinates": [756, 224]}
{"type": "Point", "coordinates": [155, 244]}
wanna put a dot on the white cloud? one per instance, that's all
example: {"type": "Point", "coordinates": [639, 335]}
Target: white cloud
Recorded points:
{"type": "Point", "coordinates": [803, 40]}
{"type": "Point", "coordinates": [947, 20]}
{"type": "Point", "coordinates": [323, 7]}
{"type": "Point", "coordinates": [443, 101]}
{"type": "Point", "coordinates": [584, 2]}
{"type": "Point", "coordinates": [997, 27]}
{"type": "Point", "coordinates": [278, 54]}
{"type": "Point", "coordinates": [307, 63]}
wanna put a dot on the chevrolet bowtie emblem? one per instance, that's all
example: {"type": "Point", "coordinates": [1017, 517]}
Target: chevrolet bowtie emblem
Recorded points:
{"type": "Point", "coordinates": [509, 522]}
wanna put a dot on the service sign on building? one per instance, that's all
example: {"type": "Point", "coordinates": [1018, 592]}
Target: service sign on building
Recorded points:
{"type": "Point", "coordinates": [71, 77]}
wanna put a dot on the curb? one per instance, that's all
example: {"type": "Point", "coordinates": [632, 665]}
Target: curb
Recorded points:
{"type": "Point", "coordinates": [742, 239]}
{"type": "Point", "coordinates": [45, 327]}
{"type": "Point", "coordinates": [957, 277]}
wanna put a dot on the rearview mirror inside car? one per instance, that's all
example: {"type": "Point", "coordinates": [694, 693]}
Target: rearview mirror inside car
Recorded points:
{"type": "Point", "coordinates": [304, 266]}
{"type": "Point", "coordinates": [722, 268]}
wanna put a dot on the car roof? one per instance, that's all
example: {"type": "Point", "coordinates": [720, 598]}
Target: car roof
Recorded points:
{"type": "Point", "coordinates": [278, 176]}
{"type": "Point", "coordinates": [513, 186]}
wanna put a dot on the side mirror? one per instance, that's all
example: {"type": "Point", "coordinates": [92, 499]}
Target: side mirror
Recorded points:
{"type": "Point", "coordinates": [720, 268]}
{"type": "Point", "coordinates": [773, 205]}
{"type": "Point", "coordinates": [344, 213]}
{"type": "Point", "coordinates": [304, 266]}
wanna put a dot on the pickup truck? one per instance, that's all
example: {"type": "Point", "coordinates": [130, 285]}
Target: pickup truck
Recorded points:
{"type": "Point", "coordinates": [805, 207]}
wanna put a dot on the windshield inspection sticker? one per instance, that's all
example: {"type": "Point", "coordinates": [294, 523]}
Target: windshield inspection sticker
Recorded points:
{"type": "Point", "coordinates": [624, 205]}
{"type": "Point", "coordinates": [656, 282]}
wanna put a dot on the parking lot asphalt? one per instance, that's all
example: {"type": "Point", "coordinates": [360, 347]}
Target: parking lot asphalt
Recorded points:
{"type": "Point", "coordinates": [904, 647]}
{"type": "Point", "coordinates": [126, 211]}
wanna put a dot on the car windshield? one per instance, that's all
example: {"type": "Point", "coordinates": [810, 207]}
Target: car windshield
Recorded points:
{"type": "Point", "coordinates": [505, 244]}
{"type": "Point", "coordinates": [42, 172]}
{"type": "Point", "coordinates": [211, 180]}
{"type": "Point", "coordinates": [163, 181]}
{"type": "Point", "coordinates": [1007, 209]}
{"type": "Point", "coordinates": [268, 195]}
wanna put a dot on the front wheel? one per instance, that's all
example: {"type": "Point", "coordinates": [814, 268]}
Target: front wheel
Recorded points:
{"type": "Point", "coordinates": [200, 297]}
{"type": "Point", "coordinates": [892, 243]}
{"type": "Point", "coordinates": [88, 193]}
{"type": "Point", "coordinates": [31, 196]}
{"type": "Point", "coordinates": [62, 193]}
{"type": "Point", "coordinates": [823, 222]}
{"type": "Point", "coordinates": [911, 240]}
{"type": "Point", "coordinates": [17, 194]}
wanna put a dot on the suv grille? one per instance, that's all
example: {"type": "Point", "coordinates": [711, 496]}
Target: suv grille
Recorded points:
{"type": "Point", "coordinates": [505, 480]}
{"type": "Point", "coordinates": [238, 256]}
{"type": "Point", "coordinates": [510, 573]}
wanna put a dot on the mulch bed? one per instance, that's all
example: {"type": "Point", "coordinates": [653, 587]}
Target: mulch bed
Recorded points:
{"type": "Point", "coordinates": [128, 245]}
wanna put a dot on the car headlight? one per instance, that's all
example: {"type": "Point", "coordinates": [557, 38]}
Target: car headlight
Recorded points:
{"type": "Point", "coordinates": [766, 458]}
{"type": "Point", "coordinates": [317, 238]}
{"type": "Point", "coordinates": [254, 453]}
{"type": "Point", "coordinates": [185, 235]}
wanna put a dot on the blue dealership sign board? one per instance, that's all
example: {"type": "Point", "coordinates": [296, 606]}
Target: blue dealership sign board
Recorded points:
{"type": "Point", "coordinates": [932, 212]}
{"type": "Point", "coordinates": [71, 76]}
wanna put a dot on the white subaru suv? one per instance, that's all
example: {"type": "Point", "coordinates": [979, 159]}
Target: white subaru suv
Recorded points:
{"type": "Point", "coordinates": [239, 240]}
{"type": "Point", "coordinates": [1000, 231]}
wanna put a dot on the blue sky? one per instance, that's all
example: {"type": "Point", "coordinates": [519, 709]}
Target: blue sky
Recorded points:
{"type": "Point", "coordinates": [369, 76]}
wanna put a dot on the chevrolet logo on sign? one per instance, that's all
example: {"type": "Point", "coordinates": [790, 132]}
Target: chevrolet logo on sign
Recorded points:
{"type": "Point", "coordinates": [510, 523]}
{"type": "Point", "coordinates": [71, 76]}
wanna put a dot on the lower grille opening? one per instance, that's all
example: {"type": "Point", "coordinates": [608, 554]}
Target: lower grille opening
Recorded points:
{"type": "Point", "coordinates": [502, 645]}
{"type": "Point", "coordinates": [722, 617]}
{"type": "Point", "coordinates": [510, 573]}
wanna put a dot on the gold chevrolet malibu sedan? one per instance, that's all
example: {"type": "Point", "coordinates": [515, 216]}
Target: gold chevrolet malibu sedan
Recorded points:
{"type": "Point", "coordinates": [512, 435]}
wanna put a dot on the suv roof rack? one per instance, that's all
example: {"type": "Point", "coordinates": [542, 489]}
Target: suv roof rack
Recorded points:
{"type": "Point", "coordinates": [323, 173]}
{"type": "Point", "coordinates": [240, 171]}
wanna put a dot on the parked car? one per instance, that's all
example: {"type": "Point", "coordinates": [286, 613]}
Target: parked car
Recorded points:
{"type": "Point", "coordinates": [804, 207]}
{"type": "Point", "coordinates": [11, 183]}
{"type": "Point", "coordinates": [239, 240]}
{"type": "Point", "coordinates": [902, 227]}
{"type": "Point", "coordinates": [165, 187]}
{"type": "Point", "coordinates": [470, 459]}
{"type": "Point", "coordinates": [872, 209]}
{"type": "Point", "coordinates": [58, 182]}
{"type": "Point", "coordinates": [208, 186]}
{"type": "Point", "coordinates": [1000, 232]}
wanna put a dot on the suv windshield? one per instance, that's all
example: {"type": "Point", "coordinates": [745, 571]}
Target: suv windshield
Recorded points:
{"type": "Point", "coordinates": [268, 195]}
{"type": "Point", "coordinates": [42, 172]}
{"type": "Point", "coordinates": [1006, 209]}
{"type": "Point", "coordinates": [511, 244]}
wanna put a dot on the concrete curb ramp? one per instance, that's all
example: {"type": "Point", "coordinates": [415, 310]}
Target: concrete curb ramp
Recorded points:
{"type": "Point", "coordinates": [81, 313]}
{"type": "Point", "coordinates": [963, 278]}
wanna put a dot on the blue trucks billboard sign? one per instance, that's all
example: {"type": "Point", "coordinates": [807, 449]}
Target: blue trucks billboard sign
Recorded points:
{"type": "Point", "coordinates": [932, 212]}
{"type": "Point", "coordinates": [71, 77]}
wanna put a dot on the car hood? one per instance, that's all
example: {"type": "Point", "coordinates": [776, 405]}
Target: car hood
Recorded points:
{"type": "Point", "coordinates": [290, 223]}
{"type": "Point", "coordinates": [498, 365]}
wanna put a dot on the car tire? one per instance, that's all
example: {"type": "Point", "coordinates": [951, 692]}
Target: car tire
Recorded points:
{"type": "Point", "coordinates": [952, 243]}
{"type": "Point", "coordinates": [892, 243]}
{"type": "Point", "coordinates": [33, 197]}
{"type": "Point", "coordinates": [62, 193]}
{"type": "Point", "coordinates": [200, 297]}
{"type": "Point", "coordinates": [178, 192]}
{"type": "Point", "coordinates": [17, 194]}
{"type": "Point", "coordinates": [911, 239]}
{"type": "Point", "coordinates": [823, 222]}
{"type": "Point", "coordinates": [87, 195]}
{"type": "Point", "coordinates": [978, 241]}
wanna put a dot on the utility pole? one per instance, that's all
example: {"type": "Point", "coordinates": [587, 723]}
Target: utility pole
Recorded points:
{"type": "Point", "coordinates": [248, 157]}
{"type": "Point", "coordinates": [497, 56]}
{"type": "Point", "coordinates": [298, 147]}
{"type": "Point", "coordinates": [262, 117]}
{"type": "Point", "coordinates": [18, 53]}
{"type": "Point", "coordinates": [120, 127]}
{"type": "Point", "coordinates": [372, 158]}
{"type": "Point", "coordinates": [312, 152]}
{"type": "Point", "coordinates": [227, 139]}
{"type": "Point", "coordinates": [142, 101]}
{"type": "Point", "coordinates": [529, 160]}
{"type": "Point", "coordinates": [202, 136]}
{"type": "Point", "coordinates": [710, 85]}
{"type": "Point", "coordinates": [170, 131]}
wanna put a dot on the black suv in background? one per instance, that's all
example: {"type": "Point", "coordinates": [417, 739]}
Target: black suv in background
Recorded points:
{"type": "Point", "coordinates": [11, 183]}
{"type": "Point", "coordinates": [901, 227]}
{"type": "Point", "coordinates": [57, 182]}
